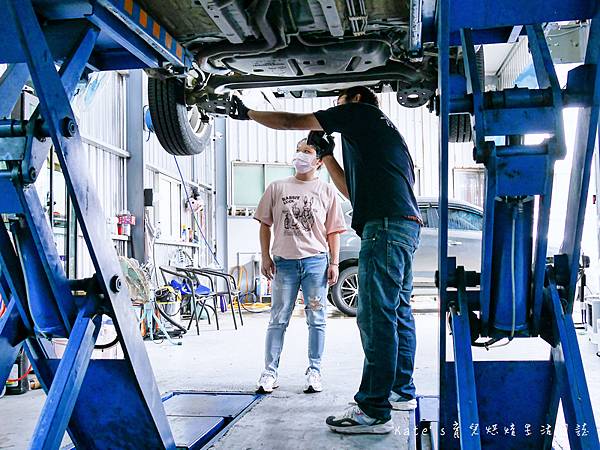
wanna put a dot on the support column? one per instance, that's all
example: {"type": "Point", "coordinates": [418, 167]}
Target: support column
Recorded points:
{"type": "Point", "coordinates": [221, 184]}
{"type": "Point", "coordinates": [135, 164]}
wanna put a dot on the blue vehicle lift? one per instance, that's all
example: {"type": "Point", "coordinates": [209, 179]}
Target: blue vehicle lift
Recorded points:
{"type": "Point", "coordinates": [518, 293]}
{"type": "Point", "coordinates": [100, 403]}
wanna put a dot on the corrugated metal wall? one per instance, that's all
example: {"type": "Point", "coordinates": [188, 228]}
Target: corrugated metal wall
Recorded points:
{"type": "Point", "coordinates": [108, 174]}
{"type": "Point", "coordinates": [516, 62]}
{"type": "Point", "coordinates": [100, 110]}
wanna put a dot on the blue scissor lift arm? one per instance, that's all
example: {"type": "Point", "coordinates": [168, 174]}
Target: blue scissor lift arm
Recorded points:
{"type": "Point", "coordinates": [517, 294]}
{"type": "Point", "coordinates": [102, 404]}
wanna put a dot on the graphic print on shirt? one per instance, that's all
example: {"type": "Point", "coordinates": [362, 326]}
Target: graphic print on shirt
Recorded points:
{"type": "Point", "coordinates": [299, 216]}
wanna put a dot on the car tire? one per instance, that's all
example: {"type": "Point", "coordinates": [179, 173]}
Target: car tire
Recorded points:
{"type": "Point", "coordinates": [460, 129]}
{"type": "Point", "coordinates": [330, 296]}
{"type": "Point", "coordinates": [345, 292]}
{"type": "Point", "coordinates": [172, 119]}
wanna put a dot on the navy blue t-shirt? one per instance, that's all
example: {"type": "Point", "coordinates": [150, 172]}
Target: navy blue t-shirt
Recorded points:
{"type": "Point", "coordinates": [380, 173]}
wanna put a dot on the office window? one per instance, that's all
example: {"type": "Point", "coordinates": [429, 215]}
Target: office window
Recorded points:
{"type": "Point", "coordinates": [248, 184]}
{"type": "Point", "coordinates": [273, 173]}
{"type": "Point", "coordinates": [251, 180]}
{"type": "Point", "coordinates": [469, 185]}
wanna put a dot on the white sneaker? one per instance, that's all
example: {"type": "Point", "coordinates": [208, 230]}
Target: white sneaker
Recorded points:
{"type": "Point", "coordinates": [266, 384]}
{"type": "Point", "coordinates": [354, 421]}
{"type": "Point", "coordinates": [313, 382]}
{"type": "Point", "coordinates": [399, 403]}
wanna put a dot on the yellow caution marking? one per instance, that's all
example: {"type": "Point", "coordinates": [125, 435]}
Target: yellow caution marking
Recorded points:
{"type": "Point", "coordinates": [129, 6]}
{"type": "Point", "coordinates": [143, 18]}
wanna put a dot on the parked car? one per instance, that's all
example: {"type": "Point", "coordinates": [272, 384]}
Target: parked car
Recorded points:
{"type": "Point", "coordinates": [295, 49]}
{"type": "Point", "coordinates": [465, 224]}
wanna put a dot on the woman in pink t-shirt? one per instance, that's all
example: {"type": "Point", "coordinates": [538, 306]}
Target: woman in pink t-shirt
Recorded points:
{"type": "Point", "coordinates": [304, 216]}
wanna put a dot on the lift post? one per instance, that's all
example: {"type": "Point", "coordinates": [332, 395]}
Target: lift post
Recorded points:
{"type": "Point", "coordinates": [518, 293]}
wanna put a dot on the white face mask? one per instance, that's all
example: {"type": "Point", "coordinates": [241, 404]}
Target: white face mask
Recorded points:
{"type": "Point", "coordinates": [304, 162]}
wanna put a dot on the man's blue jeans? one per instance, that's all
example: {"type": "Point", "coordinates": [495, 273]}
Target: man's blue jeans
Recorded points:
{"type": "Point", "coordinates": [385, 319]}
{"type": "Point", "coordinates": [291, 274]}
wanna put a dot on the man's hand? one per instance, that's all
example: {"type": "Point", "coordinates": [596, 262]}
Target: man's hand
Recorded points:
{"type": "Point", "coordinates": [323, 144]}
{"type": "Point", "coordinates": [333, 273]}
{"type": "Point", "coordinates": [268, 267]}
{"type": "Point", "coordinates": [238, 110]}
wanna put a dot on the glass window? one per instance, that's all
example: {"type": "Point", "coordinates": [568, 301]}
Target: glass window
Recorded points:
{"type": "Point", "coordinates": [175, 207]}
{"type": "Point", "coordinates": [248, 184]}
{"type": "Point", "coordinates": [424, 211]}
{"type": "Point", "coordinates": [324, 175]}
{"type": "Point", "coordinates": [251, 180]}
{"type": "Point", "coordinates": [273, 173]}
{"type": "Point", "coordinates": [469, 185]}
{"type": "Point", "coordinates": [433, 217]}
{"type": "Point", "coordinates": [169, 207]}
{"type": "Point", "coordinates": [459, 219]}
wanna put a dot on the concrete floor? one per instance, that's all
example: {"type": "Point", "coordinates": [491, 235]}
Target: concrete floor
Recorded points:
{"type": "Point", "coordinates": [229, 360]}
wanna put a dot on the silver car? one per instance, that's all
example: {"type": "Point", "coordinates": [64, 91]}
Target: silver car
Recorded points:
{"type": "Point", "coordinates": [465, 224]}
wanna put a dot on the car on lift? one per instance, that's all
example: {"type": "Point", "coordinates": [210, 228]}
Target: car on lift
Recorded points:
{"type": "Point", "coordinates": [294, 48]}
{"type": "Point", "coordinates": [465, 225]}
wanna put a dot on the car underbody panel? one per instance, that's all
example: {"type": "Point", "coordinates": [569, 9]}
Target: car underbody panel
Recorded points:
{"type": "Point", "coordinates": [294, 38]}
{"type": "Point", "coordinates": [192, 21]}
{"type": "Point", "coordinates": [299, 60]}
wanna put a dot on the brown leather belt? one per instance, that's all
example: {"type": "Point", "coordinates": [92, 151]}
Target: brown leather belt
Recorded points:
{"type": "Point", "coordinates": [414, 219]}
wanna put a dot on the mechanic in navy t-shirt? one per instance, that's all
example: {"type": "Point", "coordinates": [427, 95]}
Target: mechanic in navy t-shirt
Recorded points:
{"type": "Point", "coordinates": [378, 177]}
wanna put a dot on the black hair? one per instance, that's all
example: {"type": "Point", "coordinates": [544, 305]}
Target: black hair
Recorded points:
{"type": "Point", "coordinates": [367, 95]}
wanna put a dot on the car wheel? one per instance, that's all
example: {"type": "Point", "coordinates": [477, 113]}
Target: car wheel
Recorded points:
{"type": "Point", "coordinates": [182, 130]}
{"type": "Point", "coordinates": [345, 292]}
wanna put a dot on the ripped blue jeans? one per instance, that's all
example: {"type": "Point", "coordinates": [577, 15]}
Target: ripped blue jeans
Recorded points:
{"type": "Point", "coordinates": [291, 274]}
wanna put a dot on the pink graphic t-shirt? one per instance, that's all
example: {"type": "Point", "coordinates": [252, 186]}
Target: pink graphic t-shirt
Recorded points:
{"type": "Point", "coordinates": [302, 214]}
